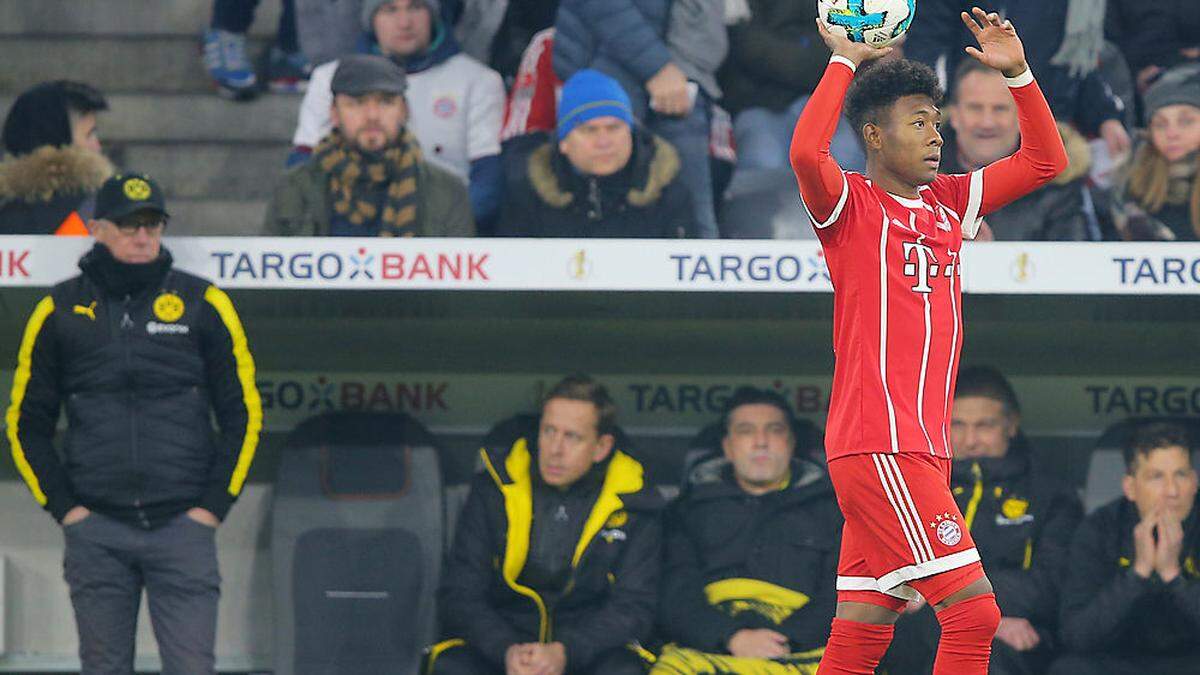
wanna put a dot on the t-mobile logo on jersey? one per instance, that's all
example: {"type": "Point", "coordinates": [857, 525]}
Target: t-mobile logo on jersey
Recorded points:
{"type": "Point", "coordinates": [925, 266]}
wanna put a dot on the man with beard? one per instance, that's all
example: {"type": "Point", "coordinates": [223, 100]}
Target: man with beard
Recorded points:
{"type": "Point", "coordinates": [368, 178]}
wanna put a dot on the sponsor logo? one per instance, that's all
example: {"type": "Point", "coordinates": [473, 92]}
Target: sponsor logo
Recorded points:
{"type": "Point", "coordinates": [168, 307]}
{"type": "Point", "coordinates": [612, 535]}
{"type": "Point", "coordinates": [1022, 268]}
{"type": "Point", "coordinates": [923, 265]}
{"type": "Point", "coordinates": [1155, 271]}
{"type": "Point", "coordinates": [1144, 400]}
{"type": "Point", "coordinates": [752, 269]}
{"type": "Point", "coordinates": [12, 264]}
{"type": "Point", "coordinates": [579, 267]}
{"type": "Point", "coordinates": [156, 328]}
{"type": "Point", "coordinates": [358, 266]}
{"type": "Point", "coordinates": [89, 310]}
{"type": "Point", "coordinates": [617, 519]}
{"type": "Point", "coordinates": [325, 394]}
{"type": "Point", "coordinates": [946, 526]}
{"type": "Point", "coordinates": [711, 398]}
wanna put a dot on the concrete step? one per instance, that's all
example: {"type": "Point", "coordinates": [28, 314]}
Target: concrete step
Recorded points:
{"type": "Point", "coordinates": [193, 117]}
{"type": "Point", "coordinates": [209, 170]}
{"type": "Point", "coordinates": [215, 217]}
{"type": "Point", "coordinates": [121, 17]}
{"type": "Point", "coordinates": [112, 64]}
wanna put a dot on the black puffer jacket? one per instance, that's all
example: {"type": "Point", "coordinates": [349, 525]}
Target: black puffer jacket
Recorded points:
{"type": "Point", "coordinates": [547, 197]}
{"type": "Point", "coordinates": [1022, 523]}
{"type": "Point", "coordinates": [1108, 608]}
{"type": "Point", "coordinates": [139, 355]}
{"type": "Point", "coordinates": [737, 561]}
{"type": "Point", "coordinates": [607, 598]}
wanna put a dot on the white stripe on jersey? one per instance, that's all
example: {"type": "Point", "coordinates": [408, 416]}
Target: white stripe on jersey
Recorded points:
{"type": "Point", "coordinates": [912, 225]}
{"type": "Point", "coordinates": [883, 322]}
{"type": "Point", "coordinates": [837, 210]}
{"type": "Point", "coordinates": [954, 311]}
{"type": "Point", "coordinates": [970, 219]}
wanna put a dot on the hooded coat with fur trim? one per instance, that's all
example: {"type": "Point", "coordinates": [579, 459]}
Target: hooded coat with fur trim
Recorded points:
{"type": "Point", "coordinates": [547, 197]}
{"type": "Point", "coordinates": [1053, 212]}
{"type": "Point", "coordinates": [50, 190]}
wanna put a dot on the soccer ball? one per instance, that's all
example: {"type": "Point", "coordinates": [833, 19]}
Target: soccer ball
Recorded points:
{"type": "Point", "coordinates": [878, 23]}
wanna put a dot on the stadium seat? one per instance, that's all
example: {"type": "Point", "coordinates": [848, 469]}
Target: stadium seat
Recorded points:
{"type": "Point", "coordinates": [356, 544]}
{"type": "Point", "coordinates": [1106, 466]}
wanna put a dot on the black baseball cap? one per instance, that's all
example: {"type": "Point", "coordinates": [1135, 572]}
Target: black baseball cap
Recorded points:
{"type": "Point", "coordinates": [360, 74]}
{"type": "Point", "coordinates": [127, 193]}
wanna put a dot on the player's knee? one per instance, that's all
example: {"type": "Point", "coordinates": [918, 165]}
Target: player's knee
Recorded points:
{"type": "Point", "coordinates": [975, 618]}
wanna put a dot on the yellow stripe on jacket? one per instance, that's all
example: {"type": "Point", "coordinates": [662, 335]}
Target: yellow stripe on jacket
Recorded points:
{"type": "Point", "coordinates": [245, 373]}
{"type": "Point", "coordinates": [20, 383]}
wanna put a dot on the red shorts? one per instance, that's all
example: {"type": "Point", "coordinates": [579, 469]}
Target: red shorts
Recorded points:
{"type": "Point", "coordinates": [903, 533]}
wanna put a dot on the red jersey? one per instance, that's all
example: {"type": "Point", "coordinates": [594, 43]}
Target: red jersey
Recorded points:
{"type": "Point", "coordinates": [894, 263]}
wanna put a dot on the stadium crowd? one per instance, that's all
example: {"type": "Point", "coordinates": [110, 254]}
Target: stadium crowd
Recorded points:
{"type": "Point", "coordinates": [645, 118]}
{"type": "Point", "coordinates": [640, 118]}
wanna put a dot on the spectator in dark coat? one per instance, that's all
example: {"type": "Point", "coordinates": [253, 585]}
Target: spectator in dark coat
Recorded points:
{"type": "Point", "coordinates": [1158, 197]}
{"type": "Point", "coordinates": [775, 60]}
{"type": "Point", "coordinates": [1022, 521]}
{"type": "Point", "coordinates": [1077, 93]}
{"type": "Point", "coordinates": [1154, 35]}
{"type": "Point", "coordinates": [627, 40]}
{"type": "Point", "coordinates": [1131, 602]}
{"type": "Point", "coordinates": [603, 177]}
{"type": "Point", "coordinates": [53, 164]}
{"type": "Point", "coordinates": [751, 551]}
{"type": "Point", "coordinates": [556, 559]}
{"type": "Point", "coordinates": [982, 129]}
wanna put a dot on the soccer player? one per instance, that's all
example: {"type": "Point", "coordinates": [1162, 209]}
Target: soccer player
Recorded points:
{"type": "Point", "coordinates": [892, 240]}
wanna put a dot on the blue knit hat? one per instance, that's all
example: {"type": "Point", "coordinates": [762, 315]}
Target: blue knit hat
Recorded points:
{"type": "Point", "coordinates": [589, 94]}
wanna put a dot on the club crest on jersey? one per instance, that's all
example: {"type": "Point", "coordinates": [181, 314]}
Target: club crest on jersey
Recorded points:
{"type": "Point", "coordinates": [947, 529]}
{"type": "Point", "coordinates": [923, 265]}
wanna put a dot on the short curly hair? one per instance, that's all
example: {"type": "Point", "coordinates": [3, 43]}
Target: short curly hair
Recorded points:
{"type": "Point", "coordinates": [879, 85]}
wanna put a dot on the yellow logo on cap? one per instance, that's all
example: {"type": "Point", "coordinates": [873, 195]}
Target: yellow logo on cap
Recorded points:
{"type": "Point", "coordinates": [1014, 508]}
{"type": "Point", "coordinates": [136, 189]}
{"type": "Point", "coordinates": [168, 307]}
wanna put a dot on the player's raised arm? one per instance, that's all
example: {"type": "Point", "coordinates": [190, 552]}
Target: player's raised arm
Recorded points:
{"type": "Point", "coordinates": [1041, 156]}
{"type": "Point", "coordinates": [817, 172]}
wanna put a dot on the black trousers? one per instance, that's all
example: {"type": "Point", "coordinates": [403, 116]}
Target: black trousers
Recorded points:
{"type": "Point", "coordinates": [236, 16]}
{"type": "Point", "coordinates": [466, 661]}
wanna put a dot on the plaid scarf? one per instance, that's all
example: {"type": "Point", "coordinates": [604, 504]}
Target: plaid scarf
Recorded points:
{"type": "Point", "coordinates": [353, 175]}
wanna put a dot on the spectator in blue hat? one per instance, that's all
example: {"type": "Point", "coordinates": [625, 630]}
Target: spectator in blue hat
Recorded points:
{"type": "Point", "coordinates": [602, 176]}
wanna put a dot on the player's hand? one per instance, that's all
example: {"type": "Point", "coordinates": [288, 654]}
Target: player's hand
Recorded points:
{"type": "Point", "coordinates": [1144, 555]}
{"type": "Point", "coordinates": [842, 46]}
{"type": "Point", "coordinates": [999, 46]}
{"type": "Point", "coordinates": [1017, 633]}
{"type": "Point", "coordinates": [758, 644]}
{"type": "Point", "coordinates": [1168, 547]}
{"type": "Point", "coordinates": [204, 517]}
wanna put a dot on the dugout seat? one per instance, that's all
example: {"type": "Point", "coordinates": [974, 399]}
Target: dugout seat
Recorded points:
{"type": "Point", "coordinates": [1106, 465]}
{"type": "Point", "coordinates": [357, 537]}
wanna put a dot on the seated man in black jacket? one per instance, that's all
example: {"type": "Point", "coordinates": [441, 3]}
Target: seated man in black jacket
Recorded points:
{"type": "Point", "coordinates": [555, 564]}
{"type": "Point", "coordinates": [1022, 522]}
{"type": "Point", "coordinates": [751, 552]}
{"type": "Point", "coordinates": [1132, 601]}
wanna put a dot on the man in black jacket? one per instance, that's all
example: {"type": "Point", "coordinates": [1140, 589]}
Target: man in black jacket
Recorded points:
{"type": "Point", "coordinates": [1022, 522]}
{"type": "Point", "coordinates": [139, 354]}
{"type": "Point", "coordinates": [1132, 601]}
{"type": "Point", "coordinates": [602, 177]}
{"type": "Point", "coordinates": [751, 551]}
{"type": "Point", "coordinates": [555, 563]}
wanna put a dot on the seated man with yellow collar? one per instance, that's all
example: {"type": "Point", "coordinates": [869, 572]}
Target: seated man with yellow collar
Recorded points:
{"type": "Point", "coordinates": [751, 551]}
{"type": "Point", "coordinates": [555, 564]}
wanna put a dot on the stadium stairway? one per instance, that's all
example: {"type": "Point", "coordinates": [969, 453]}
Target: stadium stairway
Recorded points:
{"type": "Point", "coordinates": [217, 160]}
